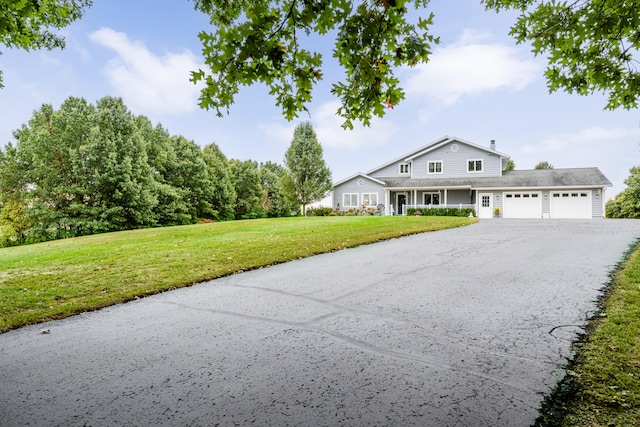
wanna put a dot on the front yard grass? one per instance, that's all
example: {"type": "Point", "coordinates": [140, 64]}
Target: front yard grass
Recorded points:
{"type": "Point", "coordinates": [602, 387]}
{"type": "Point", "coordinates": [58, 279]}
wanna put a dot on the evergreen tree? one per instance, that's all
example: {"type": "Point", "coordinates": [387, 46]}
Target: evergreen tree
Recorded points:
{"type": "Point", "coordinates": [308, 179]}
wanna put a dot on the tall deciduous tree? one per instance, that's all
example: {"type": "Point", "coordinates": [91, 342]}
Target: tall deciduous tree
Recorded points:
{"type": "Point", "coordinates": [85, 169]}
{"type": "Point", "coordinates": [308, 179]}
{"type": "Point", "coordinates": [182, 183]}
{"type": "Point", "coordinates": [223, 199]}
{"type": "Point", "coordinates": [246, 178]}
{"type": "Point", "coordinates": [272, 42]}
{"type": "Point", "coordinates": [29, 24]}
{"type": "Point", "coordinates": [591, 45]}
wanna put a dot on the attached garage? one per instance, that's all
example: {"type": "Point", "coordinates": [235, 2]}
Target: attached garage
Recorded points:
{"type": "Point", "coordinates": [571, 204]}
{"type": "Point", "coordinates": [522, 204]}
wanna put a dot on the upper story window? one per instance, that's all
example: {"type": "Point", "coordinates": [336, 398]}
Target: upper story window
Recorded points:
{"type": "Point", "coordinates": [474, 166]}
{"type": "Point", "coordinates": [404, 169]}
{"type": "Point", "coordinates": [435, 167]}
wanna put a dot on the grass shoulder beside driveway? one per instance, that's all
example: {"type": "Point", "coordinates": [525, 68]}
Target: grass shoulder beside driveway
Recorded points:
{"type": "Point", "coordinates": [602, 386]}
{"type": "Point", "coordinates": [58, 279]}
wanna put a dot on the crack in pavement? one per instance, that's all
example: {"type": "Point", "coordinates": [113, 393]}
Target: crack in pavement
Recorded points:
{"type": "Point", "coordinates": [364, 345]}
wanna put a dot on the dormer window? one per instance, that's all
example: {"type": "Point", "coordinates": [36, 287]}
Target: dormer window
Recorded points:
{"type": "Point", "coordinates": [404, 169]}
{"type": "Point", "coordinates": [474, 166]}
{"type": "Point", "coordinates": [435, 167]}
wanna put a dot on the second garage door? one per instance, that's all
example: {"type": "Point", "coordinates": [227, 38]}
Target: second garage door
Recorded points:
{"type": "Point", "coordinates": [522, 205]}
{"type": "Point", "coordinates": [570, 204]}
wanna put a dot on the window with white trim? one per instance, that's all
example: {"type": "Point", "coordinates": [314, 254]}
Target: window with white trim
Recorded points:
{"type": "Point", "coordinates": [404, 169]}
{"type": "Point", "coordinates": [474, 165]}
{"type": "Point", "coordinates": [370, 199]}
{"type": "Point", "coordinates": [431, 198]}
{"type": "Point", "coordinates": [434, 166]}
{"type": "Point", "coordinates": [350, 200]}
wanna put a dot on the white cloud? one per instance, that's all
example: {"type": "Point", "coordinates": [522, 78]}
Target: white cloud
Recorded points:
{"type": "Point", "coordinates": [471, 67]}
{"type": "Point", "coordinates": [147, 81]}
{"type": "Point", "coordinates": [327, 125]}
{"type": "Point", "coordinates": [588, 136]}
{"type": "Point", "coordinates": [278, 132]}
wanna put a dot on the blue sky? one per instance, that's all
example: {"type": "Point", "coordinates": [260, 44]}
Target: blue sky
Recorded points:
{"type": "Point", "coordinates": [479, 85]}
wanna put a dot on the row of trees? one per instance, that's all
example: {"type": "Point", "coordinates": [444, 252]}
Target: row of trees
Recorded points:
{"type": "Point", "coordinates": [85, 169]}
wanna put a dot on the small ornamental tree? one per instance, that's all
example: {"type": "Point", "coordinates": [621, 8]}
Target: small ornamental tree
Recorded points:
{"type": "Point", "coordinates": [308, 179]}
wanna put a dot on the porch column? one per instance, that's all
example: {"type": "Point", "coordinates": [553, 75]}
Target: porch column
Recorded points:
{"type": "Point", "coordinates": [386, 202]}
{"type": "Point", "coordinates": [415, 198]}
{"type": "Point", "coordinates": [446, 202]}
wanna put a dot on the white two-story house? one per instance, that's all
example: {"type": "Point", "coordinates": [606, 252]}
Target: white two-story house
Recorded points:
{"type": "Point", "coordinates": [452, 172]}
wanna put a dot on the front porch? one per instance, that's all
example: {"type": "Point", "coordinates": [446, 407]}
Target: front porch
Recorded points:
{"type": "Point", "coordinates": [399, 200]}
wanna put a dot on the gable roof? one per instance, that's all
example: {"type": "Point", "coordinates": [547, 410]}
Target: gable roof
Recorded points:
{"type": "Point", "coordinates": [545, 178]}
{"type": "Point", "coordinates": [440, 143]}
{"type": "Point", "coordinates": [432, 146]}
{"type": "Point", "coordinates": [359, 174]}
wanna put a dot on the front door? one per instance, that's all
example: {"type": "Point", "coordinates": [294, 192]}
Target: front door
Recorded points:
{"type": "Point", "coordinates": [402, 200]}
{"type": "Point", "coordinates": [485, 202]}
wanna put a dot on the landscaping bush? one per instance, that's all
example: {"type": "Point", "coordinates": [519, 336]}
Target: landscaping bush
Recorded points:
{"type": "Point", "coordinates": [320, 211]}
{"type": "Point", "coordinates": [461, 212]}
{"type": "Point", "coordinates": [362, 211]}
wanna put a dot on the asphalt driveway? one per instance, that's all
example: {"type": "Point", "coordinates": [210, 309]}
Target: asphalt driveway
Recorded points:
{"type": "Point", "coordinates": [463, 327]}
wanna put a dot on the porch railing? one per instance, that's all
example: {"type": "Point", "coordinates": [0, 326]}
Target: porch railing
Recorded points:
{"type": "Point", "coordinates": [391, 210]}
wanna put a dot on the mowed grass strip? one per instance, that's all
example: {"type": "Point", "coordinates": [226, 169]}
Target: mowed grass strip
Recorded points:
{"type": "Point", "coordinates": [603, 383]}
{"type": "Point", "coordinates": [57, 279]}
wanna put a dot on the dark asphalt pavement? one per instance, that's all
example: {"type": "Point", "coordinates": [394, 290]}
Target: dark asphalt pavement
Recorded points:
{"type": "Point", "coordinates": [462, 327]}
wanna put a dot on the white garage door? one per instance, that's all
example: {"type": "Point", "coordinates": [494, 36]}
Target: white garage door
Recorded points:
{"type": "Point", "coordinates": [570, 204]}
{"type": "Point", "coordinates": [521, 204]}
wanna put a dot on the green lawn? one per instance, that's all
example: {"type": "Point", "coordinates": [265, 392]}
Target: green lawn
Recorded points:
{"type": "Point", "coordinates": [65, 277]}
{"type": "Point", "coordinates": [602, 387]}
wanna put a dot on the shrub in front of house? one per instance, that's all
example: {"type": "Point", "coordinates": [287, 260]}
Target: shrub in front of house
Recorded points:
{"type": "Point", "coordinates": [462, 212]}
{"type": "Point", "coordinates": [320, 211]}
{"type": "Point", "coordinates": [362, 211]}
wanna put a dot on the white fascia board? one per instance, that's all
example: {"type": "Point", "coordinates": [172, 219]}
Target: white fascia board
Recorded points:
{"type": "Point", "coordinates": [359, 174]}
{"type": "Point", "coordinates": [546, 187]}
{"type": "Point", "coordinates": [433, 187]}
